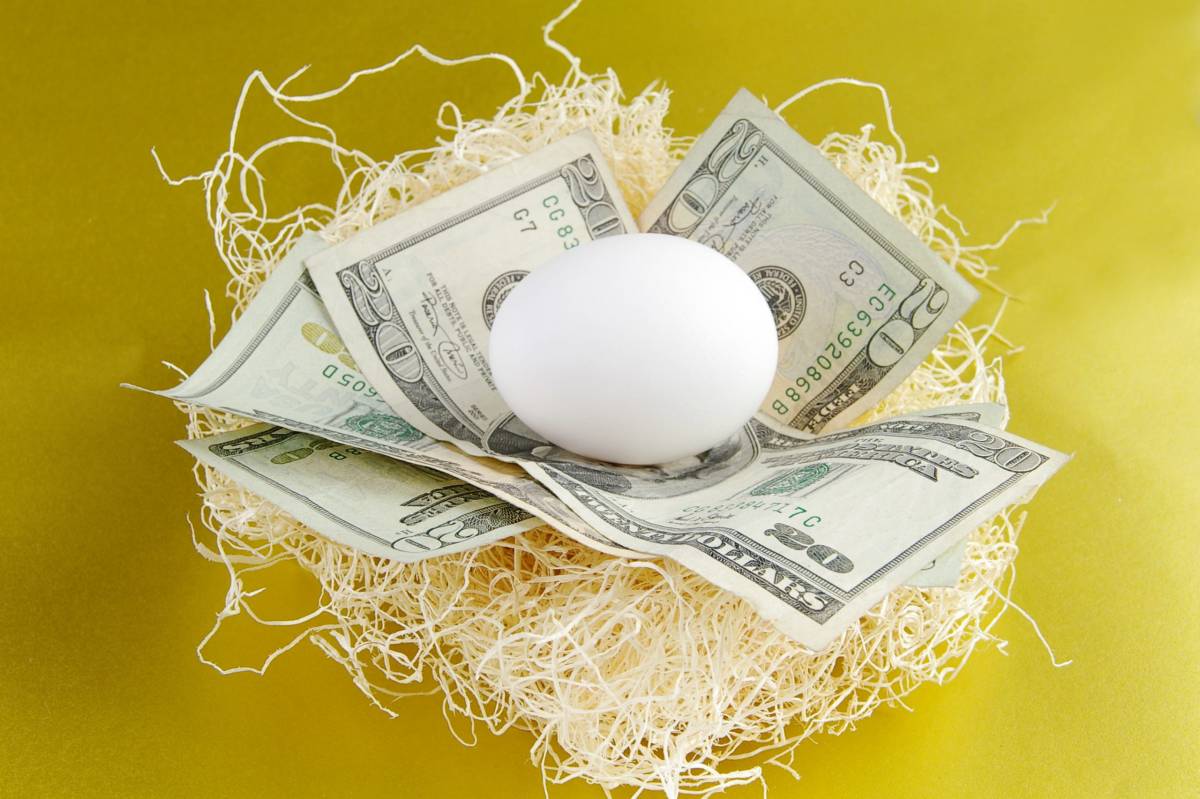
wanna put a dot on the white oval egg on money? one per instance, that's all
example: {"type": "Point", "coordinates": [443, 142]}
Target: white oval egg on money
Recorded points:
{"type": "Point", "coordinates": [637, 349]}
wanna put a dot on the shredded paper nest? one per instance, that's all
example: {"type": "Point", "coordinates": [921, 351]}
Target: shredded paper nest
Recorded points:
{"type": "Point", "coordinates": [625, 673]}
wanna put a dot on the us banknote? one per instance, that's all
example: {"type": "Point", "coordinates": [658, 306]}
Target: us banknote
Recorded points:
{"type": "Point", "coordinates": [370, 502]}
{"type": "Point", "coordinates": [944, 571]}
{"type": "Point", "coordinates": [858, 300]}
{"type": "Point", "coordinates": [283, 363]}
{"type": "Point", "coordinates": [414, 297]}
{"type": "Point", "coordinates": [811, 530]}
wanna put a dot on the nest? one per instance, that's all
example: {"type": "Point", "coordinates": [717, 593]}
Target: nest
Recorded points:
{"type": "Point", "coordinates": [625, 673]}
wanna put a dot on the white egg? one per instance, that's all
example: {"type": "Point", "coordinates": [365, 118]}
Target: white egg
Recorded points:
{"type": "Point", "coordinates": [636, 349]}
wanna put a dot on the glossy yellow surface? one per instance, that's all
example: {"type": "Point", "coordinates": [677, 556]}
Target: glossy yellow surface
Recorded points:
{"type": "Point", "coordinates": [1026, 104]}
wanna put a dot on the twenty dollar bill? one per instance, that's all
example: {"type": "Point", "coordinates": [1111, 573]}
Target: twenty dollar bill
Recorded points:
{"type": "Point", "coordinates": [414, 296]}
{"type": "Point", "coordinates": [283, 363]}
{"type": "Point", "coordinates": [812, 531]}
{"type": "Point", "coordinates": [375, 504]}
{"type": "Point", "coordinates": [858, 300]}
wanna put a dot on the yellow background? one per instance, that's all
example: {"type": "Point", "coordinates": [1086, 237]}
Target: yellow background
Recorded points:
{"type": "Point", "coordinates": [1025, 104]}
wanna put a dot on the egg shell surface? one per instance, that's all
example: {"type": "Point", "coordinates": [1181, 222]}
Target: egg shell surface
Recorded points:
{"type": "Point", "coordinates": [638, 349]}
